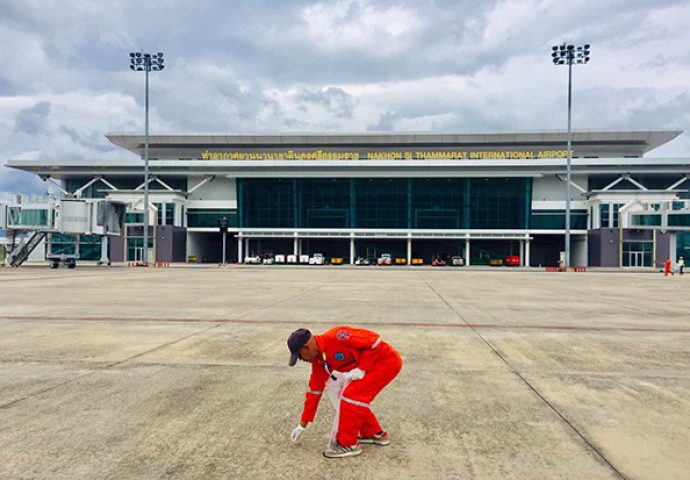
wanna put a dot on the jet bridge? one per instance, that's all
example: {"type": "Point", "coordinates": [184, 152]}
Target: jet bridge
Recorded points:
{"type": "Point", "coordinates": [31, 219]}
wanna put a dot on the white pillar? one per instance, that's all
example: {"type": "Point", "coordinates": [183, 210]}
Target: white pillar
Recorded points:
{"type": "Point", "coordinates": [527, 251]}
{"type": "Point", "coordinates": [409, 250]}
{"type": "Point", "coordinates": [522, 253]}
{"type": "Point", "coordinates": [295, 246]}
{"type": "Point", "coordinates": [240, 253]}
{"type": "Point", "coordinates": [467, 251]}
{"type": "Point", "coordinates": [352, 250]}
{"type": "Point", "coordinates": [104, 250]}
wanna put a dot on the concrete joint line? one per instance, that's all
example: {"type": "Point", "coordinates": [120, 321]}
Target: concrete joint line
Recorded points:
{"type": "Point", "coordinates": [598, 453]}
{"type": "Point", "coordinates": [278, 302]}
{"type": "Point", "coordinates": [104, 367]}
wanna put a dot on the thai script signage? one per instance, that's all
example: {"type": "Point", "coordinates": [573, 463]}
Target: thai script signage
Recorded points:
{"type": "Point", "coordinates": [381, 155]}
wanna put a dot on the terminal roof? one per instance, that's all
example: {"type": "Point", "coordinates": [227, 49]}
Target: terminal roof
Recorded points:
{"type": "Point", "coordinates": [590, 142]}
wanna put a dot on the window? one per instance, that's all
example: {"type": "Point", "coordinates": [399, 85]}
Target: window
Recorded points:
{"type": "Point", "coordinates": [604, 215]}
{"type": "Point", "coordinates": [27, 216]}
{"type": "Point", "coordinates": [646, 220]}
{"type": "Point", "coordinates": [170, 214]}
{"type": "Point", "coordinates": [616, 208]}
{"type": "Point", "coordinates": [131, 217]}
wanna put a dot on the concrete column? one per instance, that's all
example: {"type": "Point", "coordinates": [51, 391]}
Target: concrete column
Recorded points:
{"type": "Point", "coordinates": [352, 250]}
{"type": "Point", "coordinates": [409, 250]}
{"type": "Point", "coordinates": [295, 246]}
{"type": "Point", "coordinates": [240, 253]}
{"type": "Point", "coordinates": [522, 253]}
{"type": "Point", "coordinates": [467, 251]}
{"type": "Point", "coordinates": [527, 251]}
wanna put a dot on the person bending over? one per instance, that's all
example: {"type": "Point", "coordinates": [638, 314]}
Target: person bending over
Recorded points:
{"type": "Point", "coordinates": [362, 357]}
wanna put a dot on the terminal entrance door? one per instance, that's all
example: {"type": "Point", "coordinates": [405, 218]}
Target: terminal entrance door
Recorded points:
{"type": "Point", "coordinates": [636, 259]}
{"type": "Point", "coordinates": [138, 254]}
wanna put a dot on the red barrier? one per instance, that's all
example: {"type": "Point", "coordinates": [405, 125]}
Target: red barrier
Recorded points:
{"type": "Point", "coordinates": [563, 269]}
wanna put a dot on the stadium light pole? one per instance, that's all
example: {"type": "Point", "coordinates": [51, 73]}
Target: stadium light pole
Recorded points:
{"type": "Point", "coordinates": [145, 62]}
{"type": "Point", "coordinates": [568, 54]}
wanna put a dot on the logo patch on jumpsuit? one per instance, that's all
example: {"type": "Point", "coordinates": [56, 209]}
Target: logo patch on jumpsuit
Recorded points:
{"type": "Point", "coordinates": [340, 356]}
{"type": "Point", "coordinates": [342, 335]}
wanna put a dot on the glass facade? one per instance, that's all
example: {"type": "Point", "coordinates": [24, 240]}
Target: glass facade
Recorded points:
{"type": "Point", "coordinates": [63, 244]}
{"type": "Point", "coordinates": [89, 246]}
{"type": "Point", "coordinates": [678, 220]}
{"type": "Point", "coordinates": [135, 248]}
{"type": "Point", "coordinates": [434, 203]}
{"type": "Point", "coordinates": [200, 217]}
{"type": "Point", "coordinates": [555, 219]}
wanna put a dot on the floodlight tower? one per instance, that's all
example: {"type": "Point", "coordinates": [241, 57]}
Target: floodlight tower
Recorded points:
{"type": "Point", "coordinates": [145, 62]}
{"type": "Point", "coordinates": [568, 54]}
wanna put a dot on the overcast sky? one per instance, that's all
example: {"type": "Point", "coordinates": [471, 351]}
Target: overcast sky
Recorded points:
{"type": "Point", "coordinates": [331, 66]}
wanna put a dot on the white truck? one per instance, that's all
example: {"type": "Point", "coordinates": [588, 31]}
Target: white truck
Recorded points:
{"type": "Point", "coordinates": [317, 259]}
{"type": "Point", "coordinates": [385, 259]}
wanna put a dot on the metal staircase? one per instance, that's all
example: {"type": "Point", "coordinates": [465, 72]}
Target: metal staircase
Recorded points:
{"type": "Point", "coordinates": [21, 252]}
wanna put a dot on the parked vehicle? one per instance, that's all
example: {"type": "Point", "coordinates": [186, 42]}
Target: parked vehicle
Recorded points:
{"type": "Point", "coordinates": [363, 261]}
{"type": "Point", "coordinates": [417, 261]}
{"type": "Point", "coordinates": [496, 262]}
{"type": "Point", "coordinates": [400, 261]}
{"type": "Point", "coordinates": [304, 259]}
{"type": "Point", "coordinates": [385, 259]}
{"type": "Point", "coordinates": [337, 261]}
{"type": "Point", "coordinates": [267, 260]}
{"type": "Point", "coordinates": [317, 259]}
{"type": "Point", "coordinates": [279, 259]}
{"type": "Point", "coordinates": [457, 261]}
{"type": "Point", "coordinates": [512, 261]}
{"type": "Point", "coordinates": [292, 259]}
{"type": "Point", "coordinates": [252, 260]}
{"type": "Point", "coordinates": [438, 262]}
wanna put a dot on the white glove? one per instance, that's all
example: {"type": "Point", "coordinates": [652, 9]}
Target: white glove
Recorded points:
{"type": "Point", "coordinates": [355, 374]}
{"type": "Point", "coordinates": [296, 433]}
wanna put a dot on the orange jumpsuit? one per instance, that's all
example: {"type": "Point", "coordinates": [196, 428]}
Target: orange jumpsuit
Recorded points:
{"type": "Point", "coordinates": [342, 349]}
{"type": "Point", "coordinates": [667, 267]}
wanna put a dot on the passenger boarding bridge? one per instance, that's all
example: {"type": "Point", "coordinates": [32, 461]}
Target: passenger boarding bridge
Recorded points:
{"type": "Point", "coordinates": [32, 219]}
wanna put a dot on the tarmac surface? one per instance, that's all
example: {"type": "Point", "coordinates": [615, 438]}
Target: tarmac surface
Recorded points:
{"type": "Point", "coordinates": [181, 373]}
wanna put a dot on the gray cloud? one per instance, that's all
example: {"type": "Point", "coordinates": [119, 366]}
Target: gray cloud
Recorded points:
{"type": "Point", "coordinates": [336, 100]}
{"type": "Point", "coordinates": [337, 65]}
{"type": "Point", "coordinates": [386, 123]}
{"type": "Point", "coordinates": [32, 120]}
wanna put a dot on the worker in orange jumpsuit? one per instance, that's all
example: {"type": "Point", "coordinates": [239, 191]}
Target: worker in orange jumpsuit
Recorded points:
{"type": "Point", "coordinates": [667, 267]}
{"type": "Point", "coordinates": [361, 357]}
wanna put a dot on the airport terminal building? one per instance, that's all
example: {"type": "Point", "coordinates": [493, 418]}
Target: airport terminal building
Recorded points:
{"type": "Point", "coordinates": [479, 196]}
